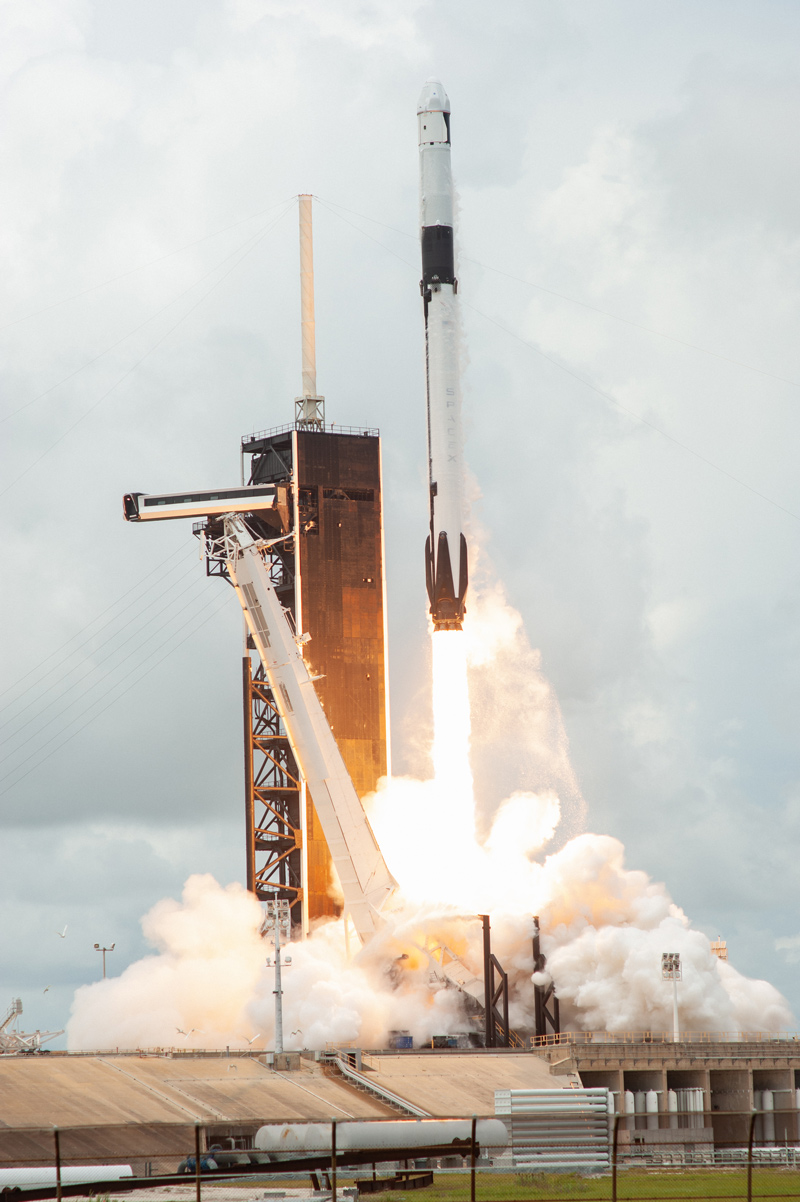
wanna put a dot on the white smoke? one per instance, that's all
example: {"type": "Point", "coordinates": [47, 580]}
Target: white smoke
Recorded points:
{"type": "Point", "coordinates": [604, 927]}
{"type": "Point", "coordinates": [518, 738]}
{"type": "Point", "coordinates": [208, 963]}
{"type": "Point", "coordinates": [207, 985]}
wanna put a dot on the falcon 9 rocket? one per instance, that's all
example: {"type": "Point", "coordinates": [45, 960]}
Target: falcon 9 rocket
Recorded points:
{"type": "Point", "coordinates": [446, 549]}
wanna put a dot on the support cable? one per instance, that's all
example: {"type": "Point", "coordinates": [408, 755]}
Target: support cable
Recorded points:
{"type": "Point", "coordinates": [95, 679]}
{"type": "Point", "coordinates": [46, 661]}
{"type": "Point", "coordinates": [635, 416]}
{"type": "Point", "coordinates": [140, 360]}
{"type": "Point", "coordinates": [65, 300]}
{"type": "Point", "coordinates": [253, 238]}
{"type": "Point", "coordinates": [573, 300]}
{"type": "Point", "coordinates": [40, 758]}
{"type": "Point", "coordinates": [87, 691]}
{"type": "Point", "coordinates": [599, 391]}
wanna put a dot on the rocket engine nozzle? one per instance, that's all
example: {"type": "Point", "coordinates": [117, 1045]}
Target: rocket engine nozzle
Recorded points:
{"type": "Point", "coordinates": [447, 606]}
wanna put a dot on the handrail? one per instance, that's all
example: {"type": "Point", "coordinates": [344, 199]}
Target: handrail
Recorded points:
{"type": "Point", "coordinates": [386, 1094]}
{"type": "Point", "coordinates": [663, 1038]}
{"type": "Point", "coordinates": [567, 1039]}
{"type": "Point", "coordinates": [330, 428]}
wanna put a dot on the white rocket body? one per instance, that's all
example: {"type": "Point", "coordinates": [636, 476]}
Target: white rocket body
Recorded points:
{"type": "Point", "coordinates": [446, 549]}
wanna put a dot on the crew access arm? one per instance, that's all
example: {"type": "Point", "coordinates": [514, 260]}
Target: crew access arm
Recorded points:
{"type": "Point", "coordinates": [366, 881]}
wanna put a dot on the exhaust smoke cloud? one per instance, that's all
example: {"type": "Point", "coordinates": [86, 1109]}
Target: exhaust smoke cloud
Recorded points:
{"type": "Point", "coordinates": [604, 926]}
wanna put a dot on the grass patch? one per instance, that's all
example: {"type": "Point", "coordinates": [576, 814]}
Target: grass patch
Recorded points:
{"type": "Point", "coordinates": [632, 1186]}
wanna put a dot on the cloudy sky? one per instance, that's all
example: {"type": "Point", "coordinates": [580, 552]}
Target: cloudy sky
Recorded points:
{"type": "Point", "coordinates": [629, 230]}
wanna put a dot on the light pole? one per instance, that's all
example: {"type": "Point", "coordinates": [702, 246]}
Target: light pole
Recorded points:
{"type": "Point", "coordinates": [671, 971]}
{"type": "Point", "coordinates": [278, 916]}
{"type": "Point", "coordinates": [98, 948]}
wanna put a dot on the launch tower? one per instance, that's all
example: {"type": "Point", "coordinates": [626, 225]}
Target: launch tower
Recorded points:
{"type": "Point", "coordinates": [329, 574]}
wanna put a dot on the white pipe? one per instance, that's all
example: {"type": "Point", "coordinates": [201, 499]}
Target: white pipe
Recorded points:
{"type": "Point", "coordinates": [307, 299]}
{"type": "Point", "coordinates": [630, 1107]}
{"type": "Point", "coordinates": [691, 1107]}
{"type": "Point", "coordinates": [43, 1176]}
{"type": "Point", "coordinates": [768, 1105]}
{"type": "Point", "coordinates": [699, 1104]}
{"type": "Point", "coordinates": [651, 1104]}
{"type": "Point", "coordinates": [308, 1138]}
{"type": "Point", "coordinates": [672, 1106]}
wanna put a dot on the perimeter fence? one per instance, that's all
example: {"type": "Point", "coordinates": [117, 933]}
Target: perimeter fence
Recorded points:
{"type": "Point", "coordinates": [636, 1158]}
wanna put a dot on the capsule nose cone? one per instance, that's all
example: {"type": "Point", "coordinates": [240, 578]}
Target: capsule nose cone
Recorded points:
{"type": "Point", "coordinates": [433, 98]}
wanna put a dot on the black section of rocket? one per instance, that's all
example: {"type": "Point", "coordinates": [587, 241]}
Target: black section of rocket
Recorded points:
{"type": "Point", "coordinates": [437, 256]}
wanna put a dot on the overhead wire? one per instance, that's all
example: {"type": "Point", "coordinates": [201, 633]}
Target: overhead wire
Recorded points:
{"type": "Point", "coordinates": [635, 416]}
{"type": "Point", "coordinates": [143, 266]}
{"type": "Point", "coordinates": [39, 729]}
{"type": "Point", "coordinates": [93, 668]}
{"type": "Point", "coordinates": [141, 359]}
{"type": "Point", "coordinates": [51, 664]}
{"type": "Point", "coordinates": [637, 325]}
{"type": "Point", "coordinates": [573, 300]}
{"type": "Point", "coordinates": [364, 233]}
{"type": "Point", "coordinates": [91, 675]}
{"type": "Point", "coordinates": [238, 255]}
{"type": "Point", "coordinates": [253, 238]}
{"type": "Point", "coordinates": [40, 758]}
{"type": "Point", "coordinates": [593, 387]}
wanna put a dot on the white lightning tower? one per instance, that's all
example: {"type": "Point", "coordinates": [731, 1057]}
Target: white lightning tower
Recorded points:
{"type": "Point", "coordinates": [309, 408]}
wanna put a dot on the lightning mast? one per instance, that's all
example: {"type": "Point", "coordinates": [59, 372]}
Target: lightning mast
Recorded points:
{"type": "Point", "coordinates": [309, 408]}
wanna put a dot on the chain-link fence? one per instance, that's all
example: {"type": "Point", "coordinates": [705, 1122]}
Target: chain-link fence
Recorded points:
{"type": "Point", "coordinates": [678, 1155]}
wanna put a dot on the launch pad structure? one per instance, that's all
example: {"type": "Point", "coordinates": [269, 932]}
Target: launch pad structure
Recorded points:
{"type": "Point", "coordinates": [301, 540]}
{"type": "Point", "coordinates": [330, 577]}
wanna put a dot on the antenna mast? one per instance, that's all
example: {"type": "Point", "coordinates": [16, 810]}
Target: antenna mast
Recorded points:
{"type": "Point", "coordinates": [309, 408]}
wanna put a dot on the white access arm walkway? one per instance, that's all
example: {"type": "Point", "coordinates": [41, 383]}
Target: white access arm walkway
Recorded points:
{"type": "Point", "coordinates": [367, 883]}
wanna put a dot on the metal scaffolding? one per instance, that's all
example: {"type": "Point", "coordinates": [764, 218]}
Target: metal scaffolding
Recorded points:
{"type": "Point", "coordinates": [274, 791]}
{"type": "Point", "coordinates": [273, 798]}
{"type": "Point", "coordinates": [498, 1033]}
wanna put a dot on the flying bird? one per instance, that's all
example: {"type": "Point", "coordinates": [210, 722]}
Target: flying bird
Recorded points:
{"type": "Point", "coordinates": [255, 1037]}
{"type": "Point", "coordinates": [191, 1031]}
{"type": "Point", "coordinates": [45, 989]}
{"type": "Point", "coordinates": [233, 1066]}
{"type": "Point", "coordinates": [299, 1031]}
{"type": "Point", "coordinates": [63, 934]}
